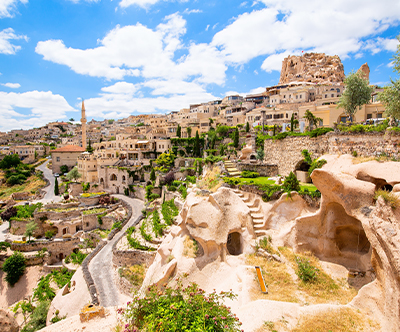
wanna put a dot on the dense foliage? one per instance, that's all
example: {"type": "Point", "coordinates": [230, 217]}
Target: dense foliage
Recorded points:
{"type": "Point", "coordinates": [181, 309]}
{"type": "Point", "coordinates": [14, 267]}
{"type": "Point", "coordinates": [169, 211]}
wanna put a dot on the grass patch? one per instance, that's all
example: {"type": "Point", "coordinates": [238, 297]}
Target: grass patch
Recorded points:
{"type": "Point", "coordinates": [265, 243]}
{"type": "Point", "coordinates": [281, 286]}
{"type": "Point", "coordinates": [319, 287]}
{"type": "Point", "coordinates": [262, 180]}
{"type": "Point", "coordinates": [388, 197]}
{"type": "Point", "coordinates": [341, 320]}
{"type": "Point", "coordinates": [94, 211]}
{"type": "Point", "coordinates": [134, 274]}
{"type": "Point", "coordinates": [212, 180]}
{"type": "Point", "coordinates": [32, 185]}
{"type": "Point", "coordinates": [190, 247]}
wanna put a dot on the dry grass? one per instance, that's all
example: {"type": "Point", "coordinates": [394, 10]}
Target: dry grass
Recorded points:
{"type": "Point", "coordinates": [359, 160]}
{"type": "Point", "coordinates": [32, 184]}
{"type": "Point", "coordinates": [324, 289]}
{"type": "Point", "coordinates": [190, 247]}
{"type": "Point", "coordinates": [281, 286]}
{"type": "Point", "coordinates": [388, 197]}
{"type": "Point", "coordinates": [211, 180]}
{"type": "Point", "coordinates": [134, 274]}
{"type": "Point", "coordinates": [342, 320]}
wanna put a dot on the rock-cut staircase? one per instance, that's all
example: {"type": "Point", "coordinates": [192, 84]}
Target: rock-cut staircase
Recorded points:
{"type": "Point", "coordinates": [256, 213]}
{"type": "Point", "coordinates": [230, 167]}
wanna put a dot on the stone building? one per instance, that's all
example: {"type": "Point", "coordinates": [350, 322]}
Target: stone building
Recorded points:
{"type": "Point", "coordinates": [67, 155]}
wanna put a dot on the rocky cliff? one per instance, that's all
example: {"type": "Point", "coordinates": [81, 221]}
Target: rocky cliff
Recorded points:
{"type": "Point", "coordinates": [312, 67]}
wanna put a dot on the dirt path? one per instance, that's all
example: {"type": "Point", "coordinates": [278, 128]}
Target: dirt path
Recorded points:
{"type": "Point", "coordinates": [48, 174]}
{"type": "Point", "coordinates": [101, 267]}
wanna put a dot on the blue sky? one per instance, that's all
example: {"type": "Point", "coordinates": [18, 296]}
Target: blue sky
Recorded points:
{"type": "Point", "coordinates": [153, 56]}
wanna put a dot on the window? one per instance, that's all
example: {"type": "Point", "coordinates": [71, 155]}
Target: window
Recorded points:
{"type": "Point", "coordinates": [369, 116]}
{"type": "Point", "coordinates": [58, 158]}
{"type": "Point", "coordinates": [332, 95]}
{"type": "Point", "coordinates": [287, 115]}
{"type": "Point", "coordinates": [379, 115]}
{"type": "Point", "coordinates": [326, 96]}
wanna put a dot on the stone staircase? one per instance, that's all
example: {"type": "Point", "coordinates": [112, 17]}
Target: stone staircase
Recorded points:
{"type": "Point", "coordinates": [230, 167]}
{"type": "Point", "coordinates": [255, 212]}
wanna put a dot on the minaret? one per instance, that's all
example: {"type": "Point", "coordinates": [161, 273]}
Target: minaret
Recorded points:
{"type": "Point", "coordinates": [83, 122]}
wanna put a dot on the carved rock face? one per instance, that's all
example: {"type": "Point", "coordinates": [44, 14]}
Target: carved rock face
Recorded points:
{"type": "Point", "coordinates": [7, 322]}
{"type": "Point", "coordinates": [312, 67]}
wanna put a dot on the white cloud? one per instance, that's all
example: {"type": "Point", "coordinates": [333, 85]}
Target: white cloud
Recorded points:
{"type": "Point", "coordinates": [12, 85]}
{"type": "Point", "coordinates": [140, 3]}
{"type": "Point", "coordinates": [44, 107]}
{"type": "Point", "coordinates": [334, 27]}
{"type": "Point", "coordinates": [77, 1]}
{"type": "Point", "coordinates": [121, 87]}
{"type": "Point", "coordinates": [192, 11]}
{"type": "Point", "coordinates": [5, 46]}
{"type": "Point", "coordinates": [381, 44]}
{"type": "Point", "coordinates": [7, 7]}
{"type": "Point", "coordinates": [274, 62]}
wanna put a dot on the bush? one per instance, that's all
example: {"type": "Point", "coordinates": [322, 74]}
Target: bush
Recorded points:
{"type": "Point", "coordinates": [16, 179]}
{"type": "Point", "coordinates": [305, 271]}
{"type": "Point", "coordinates": [182, 189]}
{"type": "Point", "coordinates": [169, 178]}
{"type": "Point", "coordinates": [291, 183]}
{"type": "Point", "coordinates": [231, 181]}
{"type": "Point", "coordinates": [248, 174]}
{"type": "Point", "coordinates": [76, 258]}
{"type": "Point", "coordinates": [9, 213]}
{"type": "Point", "coordinates": [14, 267]}
{"type": "Point", "coordinates": [169, 211]}
{"type": "Point", "coordinates": [63, 169]}
{"type": "Point", "coordinates": [181, 309]}
{"type": "Point", "coordinates": [191, 179]}
{"type": "Point", "coordinates": [38, 318]}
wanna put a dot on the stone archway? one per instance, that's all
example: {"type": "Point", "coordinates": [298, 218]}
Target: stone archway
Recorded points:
{"type": "Point", "coordinates": [234, 243]}
{"type": "Point", "coordinates": [113, 177]}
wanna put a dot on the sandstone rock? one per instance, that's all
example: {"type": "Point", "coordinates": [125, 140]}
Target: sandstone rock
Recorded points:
{"type": "Point", "coordinates": [364, 69]}
{"type": "Point", "coordinates": [7, 322]}
{"type": "Point", "coordinates": [312, 67]}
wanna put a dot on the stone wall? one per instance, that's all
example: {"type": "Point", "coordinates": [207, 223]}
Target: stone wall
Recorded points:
{"type": "Point", "coordinates": [262, 169]}
{"type": "Point", "coordinates": [286, 153]}
{"type": "Point", "coordinates": [132, 257]}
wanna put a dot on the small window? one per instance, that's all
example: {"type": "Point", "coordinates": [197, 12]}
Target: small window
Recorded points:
{"type": "Point", "coordinates": [58, 158]}
{"type": "Point", "coordinates": [369, 116]}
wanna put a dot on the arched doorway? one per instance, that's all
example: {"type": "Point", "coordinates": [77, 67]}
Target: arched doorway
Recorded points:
{"type": "Point", "coordinates": [234, 243]}
{"type": "Point", "coordinates": [113, 177]}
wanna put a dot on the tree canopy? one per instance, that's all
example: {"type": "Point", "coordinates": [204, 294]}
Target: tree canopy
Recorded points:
{"type": "Point", "coordinates": [356, 94]}
{"type": "Point", "coordinates": [73, 174]}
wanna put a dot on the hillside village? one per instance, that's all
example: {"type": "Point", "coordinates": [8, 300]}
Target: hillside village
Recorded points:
{"type": "Point", "coordinates": [279, 200]}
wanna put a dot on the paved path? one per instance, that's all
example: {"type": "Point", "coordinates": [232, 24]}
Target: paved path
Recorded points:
{"type": "Point", "coordinates": [101, 267]}
{"type": "Point", "coordinates": [48, 174]}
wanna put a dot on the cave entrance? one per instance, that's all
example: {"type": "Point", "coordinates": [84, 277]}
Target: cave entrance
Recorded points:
{"type": "Point", "coordinates": [352, 238]}
{"type": "Point", "coordinates": [234, 244]}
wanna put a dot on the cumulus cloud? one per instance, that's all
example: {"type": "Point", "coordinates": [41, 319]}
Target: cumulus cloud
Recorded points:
{"type": "Point", "coordinates": [6, 47]}
{"type": "Point", "coordinates": [77, 1]}
{"type": "Point", "coordinates": [8, 7]}
{"type": "Point", "coordinates": [12, 85]}
{"type": "Point", "coordinates": [337, 27]}
{"type": "Point", "coordinates": [42, 107]}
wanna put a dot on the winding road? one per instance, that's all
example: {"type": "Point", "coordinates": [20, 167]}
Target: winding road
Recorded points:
{"type": "Point", "coordinates": [101, 266]}
{"type": "Point", "coordinates": [48, 174]}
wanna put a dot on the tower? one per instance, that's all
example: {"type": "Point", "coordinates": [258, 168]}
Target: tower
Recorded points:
{"type": "Point", "coordinates": [83, 122]}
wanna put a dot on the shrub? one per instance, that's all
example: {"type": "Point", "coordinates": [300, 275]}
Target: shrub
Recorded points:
{"type": "Point", "coordinates": [182, 189]}
{"type": "Point", "coordinates": [38, 318]}
{"type": "Point", "coordinates": [305, 271]}
{"type": "Point", "coordinates": [63, 169]}
{"type": "Point", "coordinates": [190, 308]}
{"type": "Point", "coordinates": [388, 197]}
{"type": "Point", "coordinates": [248, 174]}
{"type": "Point", "coordinates": [44, 291]}
{"type": "Point", "coordinates": [191, 179]}
{"type": "Point", "coordinates": [231, 181]}
{"type": "Point", "coordinates": [143, 233]}
{"type": "Point", "coordinates": [169, 211]}
{"type": "Point", "coordinates": [9, 213]}
{"type": "Point", "coordinates": [76, 258]}
{"type": "Point", "coordinates": [169, 178]}
{"type": "Point", "coordinates": [291, 183]}
{"type": "Point", "coordinates": [158, 228]}
{"type": "Point", "coordinates": [16, 179]}
{"type": "Point", "coordinates": [14, 267]}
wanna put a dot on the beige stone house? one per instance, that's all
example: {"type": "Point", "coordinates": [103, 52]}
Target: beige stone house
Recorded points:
{"type": "Point", "coordinates": [67, 155]}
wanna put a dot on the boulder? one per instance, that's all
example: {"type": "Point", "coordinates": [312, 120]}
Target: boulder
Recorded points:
{"type": "Point", "coordinates": [7, 322]}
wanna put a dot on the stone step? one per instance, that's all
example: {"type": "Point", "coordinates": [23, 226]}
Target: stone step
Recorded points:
{"type": "Point", "coordinates": [257, 215]}
{"type": "Point", "coordinates": [240, 195]}
{"type": "Point", "coordinates": [258, 222]}
{"type": "Point", "coordinates": [258, 226]}
{"type": "Point", "coordinates": [236, 191]}
{"type": "Point", "coordinates": [260, 232]}
{"type": "Point", "coordinates": [255, 209]}
{"type": "Point", "coordinates": [234, 173]}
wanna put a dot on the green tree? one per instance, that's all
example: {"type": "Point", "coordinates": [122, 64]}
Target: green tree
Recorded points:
{"type": "Point", "coordinates": [4, 246]}
{"type": "Point", "coordinates": [73, 174]}
{"type": "Point", "coordinates": [196, 145]}
{"type": "Point", "coordinates": [189, 131]}
{"type": "Point", "coordinates": [260, 154]}
{"type": "Point", "coordinates": [311, 119]}
{"type": "Point", "coordinates": [291, 183]}
{"type": "Point", "coordinates": [30, 229]}
{"type": "Point", "coordinates": [38, 318]}
{"type": "Point", "coordinates": [390, 97]}
{"type": "Point", "coordinates": [293, 123]}
{"type": "Point", "coordinates": [14, 267]}
{"type": "Point", "coordinates": [210, 121]}
{"type": "Point", "coordinates": [236, 138]}
{"type": "Point", "coordinates": [63, 169]}
{"type": "Point", "coordinates": [165, 160]}
{"type": "Point", "coordinates": [247, 127]}
{"type": "Point", "coordinates": [10, 161]}
{"type": "Point", "coordinates": [89, 148]}
{"type": "Point", "coordinates": [152, 175]}
{"type": "Point", "coordinates": [356, 94]}
{"type": "Point", "coordinates": [179, 131]}
{"type": "Point", "coordinates": [71, 119]}
{"type": "Point", "coordinates": [56, 189]}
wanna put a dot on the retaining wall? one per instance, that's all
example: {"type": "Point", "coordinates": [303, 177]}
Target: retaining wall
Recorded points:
{"type": "Point", "coordinates": [286, 153]}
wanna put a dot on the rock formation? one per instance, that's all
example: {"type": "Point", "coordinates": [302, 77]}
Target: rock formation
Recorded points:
{"type": "Point", "coordinates": [364, 69]}
{"type": "Point", "coordinates": [7, 322]}
{"type": "Point", "coordinates": [313, 68]}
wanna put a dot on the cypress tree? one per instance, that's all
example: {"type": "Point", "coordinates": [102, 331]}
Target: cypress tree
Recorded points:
{"type": "Point", "coordinates": [179, 131]}
{"type": "Point", "coordinates": [247, 127]}
{"type": "Point", "coordinates": [196, 147]}
{"type": "Point", "coordinates": [152, 175]}
{"type": "Point", "coordinates": [56, 189]}
{"type": "Point", "coordinates": [236, 138]}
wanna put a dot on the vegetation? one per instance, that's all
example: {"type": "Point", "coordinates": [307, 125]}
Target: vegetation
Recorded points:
{"type": "Point", "coordinates": [169, 211]}
{"type": "Point", "coordinates": [94, 211]}
{"type": "Point", "coordinates": [291, 183]}
{"type": "Point", "coordinates": [248, 174]}
{"type": "Point", "coordinates": [56, 189]}
{"type": "Point", "coordinates": [63, 169]}
{"type": "Point", "coordinates": [179, 131]}
{"type": "Point", "coordinates": [38, 318]}
{"type": "Point", "coordinates": [236, 138]}
{"type": "Point", "coordinates": [190, 307]}
{"type": "Point", "coordinates": [165, 161]}
{"type": "Point", "coordinates": [76, 258]}
{"type": "Point", "coordinates": [134, 243]}
{"type": "Point", "coordinates": [73, 174]}
{"type": "Point", "coordinates": [388, 197]}
{"type": "Point", "coordinates": [14, 267]}
{"type": "Point", "coordinates": [311, 119]}
{"type": "Point", "coordinates": [158, 228]}
{"type": "Point", "coordinates": [134, 274]}
{"type": "Point", "coordinates": [15, 172]}
{"type": "Point", "coordinates": [312, 163]}
{"type": "Point", "coordinates": [30, 229]}
{"type": "Point", "coordinates": [356, 94]}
